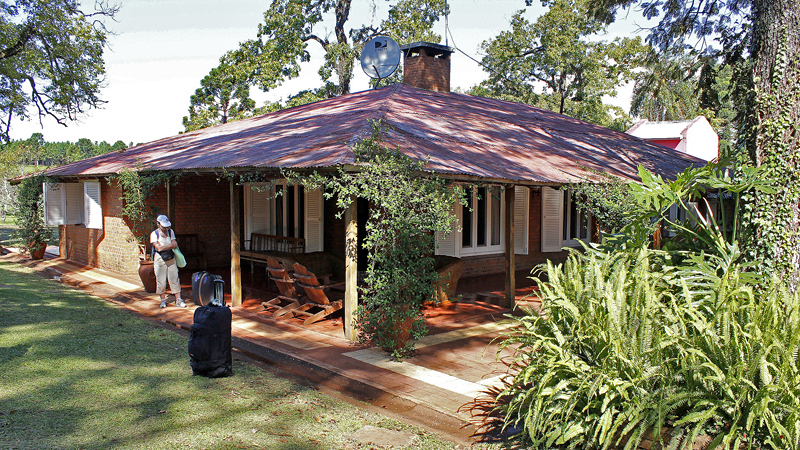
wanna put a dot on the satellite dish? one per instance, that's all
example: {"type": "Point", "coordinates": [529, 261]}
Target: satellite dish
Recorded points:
{"type": "Point", "coordinates": [380, 57]}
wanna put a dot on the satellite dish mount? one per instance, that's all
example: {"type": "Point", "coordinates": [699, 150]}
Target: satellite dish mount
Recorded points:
{"type": "Point", "coordinates": [380, 57]}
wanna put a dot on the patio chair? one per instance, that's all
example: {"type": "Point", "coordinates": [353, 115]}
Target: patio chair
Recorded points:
{"type": "Point", "coordinates": [316, 296]}
{"type": "Point", "coordinates": [288, 300]}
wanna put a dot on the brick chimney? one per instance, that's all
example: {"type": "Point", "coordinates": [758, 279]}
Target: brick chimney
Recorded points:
{"type": "Point", "coordinates": [427, 66]}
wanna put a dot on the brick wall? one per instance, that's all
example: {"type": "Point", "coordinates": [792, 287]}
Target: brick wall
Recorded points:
{"type": "Point", "coordinates": [426, 72]}
{"type": "Point", "coordinates": [111, 248]}
{"type": "Point", "coordinates": [201, 205]}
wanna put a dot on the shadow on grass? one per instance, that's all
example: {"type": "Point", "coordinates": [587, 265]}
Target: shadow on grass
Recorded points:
{"type": "Point", "coordinates": [78, 373]}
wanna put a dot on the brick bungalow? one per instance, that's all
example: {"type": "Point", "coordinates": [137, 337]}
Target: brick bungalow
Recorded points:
{"type": "Point", "coordinates": [519, 154]}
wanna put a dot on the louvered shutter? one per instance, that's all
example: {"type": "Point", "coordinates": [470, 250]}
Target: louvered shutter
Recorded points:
{"type": "Point", "coordinates": [521, 220]}
{"type": "Point", "coordinates": [54, 203]}
{"type": "Point", "coordinates": [552, 219]}
{"type": "Point", "coordinates": [74, 203]}
{"type": "Point", "coordinates": [257, 208]}
{"type": "Point", "coordinates": [93, 209]}
{"type": "Point", "coordinates": [314, 221]}
{"type": "Point", "coordinates": [447, 244]}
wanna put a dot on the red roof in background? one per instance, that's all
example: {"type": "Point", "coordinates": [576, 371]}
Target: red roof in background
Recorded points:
{"type": "Point", "coordinates": [463, 135]}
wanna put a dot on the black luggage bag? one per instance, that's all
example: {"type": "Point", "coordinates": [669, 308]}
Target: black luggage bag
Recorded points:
{"type": "Point", "coordinates": [210, 342]}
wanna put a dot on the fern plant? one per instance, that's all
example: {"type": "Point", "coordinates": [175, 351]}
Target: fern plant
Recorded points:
{"type": "Point", "coordinates": [633, 343]}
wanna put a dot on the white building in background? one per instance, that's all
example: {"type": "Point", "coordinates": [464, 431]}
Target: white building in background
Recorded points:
{"type": "Point", "coordinates": [694, 137]}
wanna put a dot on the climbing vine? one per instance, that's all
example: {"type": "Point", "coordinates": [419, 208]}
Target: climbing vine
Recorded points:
{"type": "Point", "coordinates": [773, 218]}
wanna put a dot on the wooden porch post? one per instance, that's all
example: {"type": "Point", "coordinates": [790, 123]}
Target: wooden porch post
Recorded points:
{"type": "Point", "coordinates": [236, 268]}
{"type": "Point", "coordinates": [511, 283]}
{"type": "Point", "coordinates": [351, 269]}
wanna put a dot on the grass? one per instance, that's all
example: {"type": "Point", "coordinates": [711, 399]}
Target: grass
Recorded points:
{"type": "Point", "coordinates": [77, 372]}
{"type": "Point", "coordinates": [7, 228]}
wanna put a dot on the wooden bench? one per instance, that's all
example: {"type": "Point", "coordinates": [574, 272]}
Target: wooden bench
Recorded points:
{"type": "Point", "coordinates": [192, 247]}
{"type": "Point", "coordinates": [261, 245]}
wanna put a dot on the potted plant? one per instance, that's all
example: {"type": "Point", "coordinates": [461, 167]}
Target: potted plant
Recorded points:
{"type": "Point", "coordinates": [32, 235]}
{"type": "Point", "coordinates": [137, 186]}
{"type": "Point", "coordinates": [408, 205]}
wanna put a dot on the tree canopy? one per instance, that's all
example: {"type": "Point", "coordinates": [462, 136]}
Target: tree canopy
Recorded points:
{"type": "Point", "coordinates": [556, 63]}
{"type": "Point", "coordinates": [51, 59]}
{"type": "Point", "coordinates": [759, 40]}
{"type": "Point", "coordinates": [220, 97]}
{"type": "Point", "coordinates": [282, 43]}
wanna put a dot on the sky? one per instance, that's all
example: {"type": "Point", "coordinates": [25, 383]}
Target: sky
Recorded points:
{"type": "Point", "coordinates": [161, 49]}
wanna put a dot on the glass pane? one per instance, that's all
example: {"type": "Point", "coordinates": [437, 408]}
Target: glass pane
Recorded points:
{"type": "Point", "coordinates": [584, 225]}
{"type": "Point", "coordinates": [290, 212]}
{"type": "Point", "coordinates": [566, 217]}
{"type": "Point", "coordinates": [466, 233]}
{"type": "Point", "coordinates": [301, 212]}
{"type": "Point", "coordinates": [481, 216]}
{"type": "Point", "coordinates": [279, 210]}
{"type": "Point", "coordinates": [575, 218]}
{"type": "Point", "coordinates": [495, 202]}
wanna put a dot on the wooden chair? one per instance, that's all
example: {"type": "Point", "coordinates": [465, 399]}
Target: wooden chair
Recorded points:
{"type": "Point", "coordinates": [316, 296]}
{"type": "Point", "coordinates": [288, 300]}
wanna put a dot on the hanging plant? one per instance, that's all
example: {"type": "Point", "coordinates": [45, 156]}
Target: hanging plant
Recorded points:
{"type": "Point", "coordinates": [137, 186]}
{"type": "Point", "coordinates": [408, 205]}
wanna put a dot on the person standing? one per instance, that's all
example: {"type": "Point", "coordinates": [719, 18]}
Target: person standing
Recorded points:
{"type": "Point", "coordinates": [164, 263]}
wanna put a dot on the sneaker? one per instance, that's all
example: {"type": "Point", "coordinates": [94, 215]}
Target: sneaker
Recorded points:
{"type": "Point", "coordinates": [163, 303]}
{"type": "Point", "coordinates": [180, 304]}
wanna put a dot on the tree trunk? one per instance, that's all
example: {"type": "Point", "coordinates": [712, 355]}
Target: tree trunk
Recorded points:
{"type": "Point", "coordinates": [776, 140]}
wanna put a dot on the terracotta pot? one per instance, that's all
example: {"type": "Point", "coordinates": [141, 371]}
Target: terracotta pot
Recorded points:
{"type": "Point", "coordinates": [37, 251]}
{"type": "Point", "coordinates": [400, 332]}
{"type": "Point", "coordinates": [147, 273]}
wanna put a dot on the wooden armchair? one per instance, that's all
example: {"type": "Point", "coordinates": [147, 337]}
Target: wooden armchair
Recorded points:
{"type": "Point", "coordinates": [288, 300]}
{"type": "Point", "coordinates": [316, 296]}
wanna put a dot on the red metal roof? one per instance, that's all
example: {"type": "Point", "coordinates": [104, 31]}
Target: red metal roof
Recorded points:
{"type": "Point", "coordinates": [463, 135]}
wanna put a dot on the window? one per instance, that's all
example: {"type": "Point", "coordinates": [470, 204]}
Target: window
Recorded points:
{"type": "Point", "coordinates": [576, 223]}
{"type": "Point", "coordinates": [481, 223]}
{"type": "Point", "coordinates": [481, 220]}
{"type": "Point", "coordinates": [562, 224]}
{"type": "Point", "coordinates": [73, 204]}
{"type": "Point", "coordinates": [284, 210]}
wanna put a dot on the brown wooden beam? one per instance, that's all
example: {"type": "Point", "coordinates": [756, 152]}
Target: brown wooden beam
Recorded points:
{"type": "Point", "coordinates": [351, 269]}
{"type": "Point", "coordinates": [510, 266]}
{"type": "Point", "coordinates": [236, 268]}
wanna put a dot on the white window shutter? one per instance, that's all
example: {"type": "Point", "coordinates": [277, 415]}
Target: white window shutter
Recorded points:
{"type": "Point", "coordinates": [256, 203]}
{"type": "Point", "coordinates": [521, 197]}
{"type": "Point", "coordinates": [447, 244]}
{"type": "Point", "coordinates": [74, 203]}
{"type": "Point", "coordinates": [54, 203]}
{"type": "Point", "coordinates": [314, 221]}
{"type": "Point", "coordinates": [552, 219]}
{"type": "Point", "coordinates": [93, 209]}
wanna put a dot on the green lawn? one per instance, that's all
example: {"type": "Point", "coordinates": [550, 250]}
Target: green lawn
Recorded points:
{"type": "Point", "coordinates": [8, 228]}
{"type": "Point", "coordinates": [77, 372]}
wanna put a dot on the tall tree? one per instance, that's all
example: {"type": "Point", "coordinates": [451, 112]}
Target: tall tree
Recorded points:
{"type": "Point", "coordinates": [558, 64]}
{"type": "Point", "coordinates": [290, 26]}
{"type": "Point", "coordinates": [760, 39]}
{"type": "Point", "coordinates": [51, 59]}
{"type": "Point", "coordinates": [665, 89]}
{"type": "Point", "coordinates": [220, 97]}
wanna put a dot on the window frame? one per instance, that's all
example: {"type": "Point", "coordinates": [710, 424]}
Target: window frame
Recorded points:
{"type": "Point", "coordinates": [567, 240]}
{"type": "Point", "coordinates": [488, 248]}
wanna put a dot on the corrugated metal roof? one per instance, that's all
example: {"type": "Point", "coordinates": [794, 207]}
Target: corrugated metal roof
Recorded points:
{"type": "Point", "coordinates": [463, 135]}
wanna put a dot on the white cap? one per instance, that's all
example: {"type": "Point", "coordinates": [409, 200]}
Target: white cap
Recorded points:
{"type": "Point", "coordinates": [163, 221]}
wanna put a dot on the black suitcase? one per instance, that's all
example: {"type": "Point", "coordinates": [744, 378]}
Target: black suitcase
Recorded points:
{"type": "Point", "coordinates": [210, 342]}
